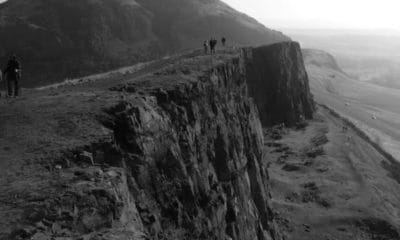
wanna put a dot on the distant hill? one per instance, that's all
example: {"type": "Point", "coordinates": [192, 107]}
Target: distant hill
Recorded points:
{"type": "Point", "coordinates": [374, 108]}
{"type": "Point", "coordinates": [321, 59]}
{"type": "Point", "coordinates": [59, 39]}
{"type": "Point", "coordinates": [325, 72]}
{"type": "Point", "coordinates": [367, 55]}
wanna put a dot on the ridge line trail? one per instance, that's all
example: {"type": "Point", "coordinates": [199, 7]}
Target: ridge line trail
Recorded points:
{"type": "Point", "coordinates": [39, 128]}
{"type": "Point", "coordinates": [43, 121]}
{"type": "Point", "coordinates": [331, 195]}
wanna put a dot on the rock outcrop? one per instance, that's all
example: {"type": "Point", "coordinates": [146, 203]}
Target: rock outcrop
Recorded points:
{"type": "Point", "coordinates": [194, 151]}
{"type": "Point", "coordinates": [278, 82]}
{"type": "Point", "coordinates": [182, 160]}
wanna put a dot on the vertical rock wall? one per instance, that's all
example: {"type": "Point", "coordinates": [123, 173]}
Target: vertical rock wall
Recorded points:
{"type": "Point", "coordinates": [278, 81]}
{"type": "Point", "coordinates": [194, 156]}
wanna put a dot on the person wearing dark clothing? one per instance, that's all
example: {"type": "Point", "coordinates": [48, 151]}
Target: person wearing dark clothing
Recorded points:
{"type": "Point", "coordinates": [223, 40]}
{"type": "Point", "coordinates": [12, 75]}
{"type": "Point", "coordinates": [213, 43]}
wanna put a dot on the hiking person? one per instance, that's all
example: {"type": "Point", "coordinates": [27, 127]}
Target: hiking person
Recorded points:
{"type": "Point", "coordinates": [213, 43]}
{"type": "Point", "coordinates": [12, 75]}
{"type": "Point", "coordinates": [223, 40]}
{"type": "Point", "coordinates": [205, 45]}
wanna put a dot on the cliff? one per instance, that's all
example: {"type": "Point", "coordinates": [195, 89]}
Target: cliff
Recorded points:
{"type": "Point", "coordinates": [278, 81]}
{"type": "Point", "coordinates": [60, 39]}
{"type": "Point", "coordinates": [174, 153]}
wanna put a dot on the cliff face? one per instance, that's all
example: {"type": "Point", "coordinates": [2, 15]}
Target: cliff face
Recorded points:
{"type": "Point", "coordinates": [195, 157]}
{"type": "Point", "coordinates": [182, 160]}
{"type": "Point", "coordinates": [61, 39]}
{"type": "Point", "coordinates": [278, 82]}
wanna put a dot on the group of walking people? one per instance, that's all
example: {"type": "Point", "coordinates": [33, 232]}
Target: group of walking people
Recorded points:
{"type": "Point", "coordinates": [11, 76]}
{"type": "Point", "coordinates": [211, 45]}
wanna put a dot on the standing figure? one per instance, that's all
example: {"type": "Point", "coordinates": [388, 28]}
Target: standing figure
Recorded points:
{"type": "Point", "coordinates": [223, 40]}
{"type": "Point", "coordinates": [213, 43]}
{"type": "Point", "coordinates": [12, 75]}
{"type": "Point", "coordinates": [205, 45]}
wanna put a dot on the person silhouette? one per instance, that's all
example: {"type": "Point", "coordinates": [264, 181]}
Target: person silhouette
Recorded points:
{"type": "Point", "coordinates": [213, 44]}
{"type": "Point", "coordinates": [12, 76]}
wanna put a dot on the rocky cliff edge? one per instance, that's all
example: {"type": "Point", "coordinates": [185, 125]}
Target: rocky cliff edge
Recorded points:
{"type": "Point", "coordinates": [173, 152]}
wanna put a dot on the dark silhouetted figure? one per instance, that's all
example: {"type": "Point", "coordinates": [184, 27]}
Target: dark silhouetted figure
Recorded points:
{"type": "Point", "coordinates": [12, 74]}
{"type": "Point", "coordinates": [213, 43]}
{"type": "Point", "coordinates": [205, 45]}
{"type": "Point", "coordinates": [223, 40]}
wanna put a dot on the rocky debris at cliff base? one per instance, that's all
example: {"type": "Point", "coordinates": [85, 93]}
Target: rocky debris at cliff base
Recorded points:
{"type": "Point", "coordinates": [336, 195]}
{"type": "Point", "coordinates": [275, 132]}
{"type": "Point", "coordinates": [291, 167]}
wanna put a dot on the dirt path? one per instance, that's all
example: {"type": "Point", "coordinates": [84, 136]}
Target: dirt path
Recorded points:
{"type": "Point", "coordinates": [331, 184]}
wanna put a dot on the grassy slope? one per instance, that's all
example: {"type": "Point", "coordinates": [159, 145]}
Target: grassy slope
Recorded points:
{"type": "Point", "coordinates": [359, 101]}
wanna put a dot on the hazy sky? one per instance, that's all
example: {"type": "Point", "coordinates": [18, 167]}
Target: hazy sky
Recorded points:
{"type": "Point", "coordinates": [364, 14]}
{"type": "Point", "coordinates": [323, 13]}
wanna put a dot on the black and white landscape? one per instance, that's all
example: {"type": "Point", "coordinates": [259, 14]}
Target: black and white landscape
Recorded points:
{"type": "Point", "coordinates": [127, 126]}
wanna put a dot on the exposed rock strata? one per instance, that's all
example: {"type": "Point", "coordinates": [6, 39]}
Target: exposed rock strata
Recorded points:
{"type": "Point", "coordinates": [182, 161]}
{"type": "Point", "coordinates": [278, 82]}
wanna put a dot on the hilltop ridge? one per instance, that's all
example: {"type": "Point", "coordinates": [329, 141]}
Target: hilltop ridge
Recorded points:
{"type": "Point", "coordinates": [65, 39]}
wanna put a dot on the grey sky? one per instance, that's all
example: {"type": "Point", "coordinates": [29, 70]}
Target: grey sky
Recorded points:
{"type": "Point", "coordinates": [362, 14]}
